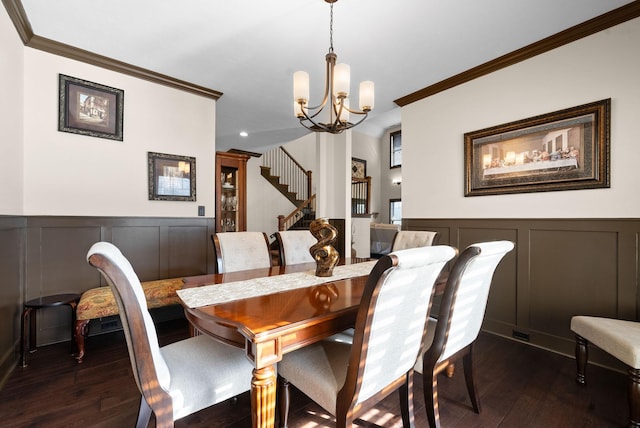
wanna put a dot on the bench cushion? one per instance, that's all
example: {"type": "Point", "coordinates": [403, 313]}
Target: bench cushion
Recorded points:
{"type": "Point", "coordinates": [99, 302]}
{"type": "Point", "coordinates": [619, 338]}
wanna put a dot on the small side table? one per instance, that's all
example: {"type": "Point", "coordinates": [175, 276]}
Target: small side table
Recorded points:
{"type": "Point", "coordinates": [28, 327]}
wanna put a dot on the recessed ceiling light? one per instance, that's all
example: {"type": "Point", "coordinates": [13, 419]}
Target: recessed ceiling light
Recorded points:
{"type": "Point", "coordinates": [244, 134]}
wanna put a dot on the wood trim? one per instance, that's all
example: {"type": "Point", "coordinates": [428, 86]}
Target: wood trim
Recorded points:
{"type": "Point", "coordinates": [577, 32]}
{"type": "Point", "coordinates": [21, 22]}
{"type": "Point", "coordinates": [18, 16]}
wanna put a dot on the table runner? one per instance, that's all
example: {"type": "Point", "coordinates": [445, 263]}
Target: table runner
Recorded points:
{"type": "Point", "coordinates": [227, 292]}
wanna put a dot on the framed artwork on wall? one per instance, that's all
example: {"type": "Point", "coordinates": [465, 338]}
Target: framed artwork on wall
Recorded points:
{"type": "Point", "coordinates": [358, 168]}
{"type": "Point", "coordinates": [171, 177]}
{"type": "Point", "coordinates": [563, 150]}
{"type": "Point", "coordinates": [89, 108]}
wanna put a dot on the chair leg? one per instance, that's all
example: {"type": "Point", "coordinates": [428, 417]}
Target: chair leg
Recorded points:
{"type": "Point", "coordinates": [467, 363]}
{"type": "Point", "coordinates": [406, 402]}
{"type": "Point", "coordinates": [582, 356]}
{"type": "Point", "coordinates": [284, 403]}
{"type": "Point", "coordinates": [430, 385]}
{"type": "Point", "coordinates": [634, 397]}
{"type": "Point", "coordinates": [144, 414]}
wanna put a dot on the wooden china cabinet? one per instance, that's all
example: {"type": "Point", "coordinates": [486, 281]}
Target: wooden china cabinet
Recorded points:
{"type": "Point", "coordinates": [231, 192]}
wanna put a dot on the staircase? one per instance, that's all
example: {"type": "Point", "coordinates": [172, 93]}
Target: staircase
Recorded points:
{"type": "Point", "coordinates": [283, 188]}
{"type": "Point", "coordinates": [294, 182]}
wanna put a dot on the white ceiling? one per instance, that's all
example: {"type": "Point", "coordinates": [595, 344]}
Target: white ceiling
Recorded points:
{"type": "Point", "coordinates": [249, 49]}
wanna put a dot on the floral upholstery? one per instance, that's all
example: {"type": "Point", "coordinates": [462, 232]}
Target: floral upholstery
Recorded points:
{"type": "Point", "coordinates": [99, 302]}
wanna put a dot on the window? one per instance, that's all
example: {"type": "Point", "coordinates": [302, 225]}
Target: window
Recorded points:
{"type": "Point", "coordinates": [396, 149]}
{"type": "Point", "coordinates": [395, 211]}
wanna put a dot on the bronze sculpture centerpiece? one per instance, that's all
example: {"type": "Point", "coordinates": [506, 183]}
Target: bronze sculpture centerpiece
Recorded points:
{"type": "Point", "coordinates": [323, 252]}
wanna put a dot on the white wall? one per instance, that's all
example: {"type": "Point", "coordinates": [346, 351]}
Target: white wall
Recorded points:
{"type": "Point", "coordinates": [11, 106]}
{"type": "Point", "coordinates": [604, 65]}
{"type": "Point", "coordinates": [388, 190]}
{"type": "Point", "coordinates": [70, 174]}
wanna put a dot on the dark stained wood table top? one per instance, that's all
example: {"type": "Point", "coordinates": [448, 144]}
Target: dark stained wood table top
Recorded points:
{"type": "Point", "coordinates": [332, 306]}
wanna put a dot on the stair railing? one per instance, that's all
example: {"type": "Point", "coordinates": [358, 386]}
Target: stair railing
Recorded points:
{"type": "Point", "coordinates": [360, 195]}
{"type": "Point", "coordinates": [283, 165]}
{"type": "Point", "coordinates": [309, 206]}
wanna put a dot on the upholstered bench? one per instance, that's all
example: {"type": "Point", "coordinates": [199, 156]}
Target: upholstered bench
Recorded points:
{"type": "Point", "coordinates": [99, 302]}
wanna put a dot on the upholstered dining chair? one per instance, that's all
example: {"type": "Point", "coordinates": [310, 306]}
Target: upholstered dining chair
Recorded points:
{"type": "Point", "coordinates": [413, 238]}
{"type": "Point", "coordinates": [619, 338]}
{"type": "Point", "coordinates": [403, 240]}
{"type": "Point", "coordinates": [178, 379]}
{"type": "Point", "coordinates": [346, 379]}
{"type": "Point", "coordinates": [459, 320]}
{"type": "Point", "coordinates": [236, 251]}
{"type": "Point", "coordinates": [294, 246]}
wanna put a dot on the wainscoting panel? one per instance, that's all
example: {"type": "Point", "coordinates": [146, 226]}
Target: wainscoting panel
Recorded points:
{"type": "Point", "coordinates": [559, 268]}
{"type": "Point", "coordinates": [60, 261]}
{"type": "Point", "coordinates": [188, 248]}
{"type": "Point", "coordinates": [12, 246]}
{"type": "Point", "coordinates": [141, 245]}
{"type": "Point", "coordinates": [573, 272]}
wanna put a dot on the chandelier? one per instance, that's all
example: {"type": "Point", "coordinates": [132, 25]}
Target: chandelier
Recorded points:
{"type": "Point", "coordinates": [336, 95]}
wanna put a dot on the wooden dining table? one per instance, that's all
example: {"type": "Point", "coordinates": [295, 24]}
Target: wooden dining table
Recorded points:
{"type": "Point", "coordinates": [268, 326]}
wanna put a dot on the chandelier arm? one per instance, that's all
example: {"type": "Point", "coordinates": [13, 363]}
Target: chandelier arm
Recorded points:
{"type": "Point", "coordinates": [355, 111]}
{"type": "Point", "coordinates": [351, 125]}
{"type": "Point", "coordinates": [307, 117]}
{"type": "Point", "coordinates": [338, 111]}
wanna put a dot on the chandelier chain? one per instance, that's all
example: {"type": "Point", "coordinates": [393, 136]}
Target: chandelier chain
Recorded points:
{"type": "Point", "coordinates": [331, 29]}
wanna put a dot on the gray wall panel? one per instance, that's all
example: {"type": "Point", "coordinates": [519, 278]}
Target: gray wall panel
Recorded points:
{"type": "Point", "coordinates": [572, 272]}
{"type": "Point", "coordinates": [188, 250]}
{"type": "Point", "coordinates": [141, 246]}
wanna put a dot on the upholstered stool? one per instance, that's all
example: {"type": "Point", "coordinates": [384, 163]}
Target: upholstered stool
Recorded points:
{"type": "Point", "coordinates": [28, 343]}
{"type": "Point", "coordinates": [619, 338]}
{"type": "Point", "coordinates": [99, 302]}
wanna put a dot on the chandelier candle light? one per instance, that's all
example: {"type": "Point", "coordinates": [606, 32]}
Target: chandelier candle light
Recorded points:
{"type": "Point", "coordinates": [336, 95]}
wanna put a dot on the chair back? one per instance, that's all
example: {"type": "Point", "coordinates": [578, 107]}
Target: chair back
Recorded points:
{"type": "Point", "coordinates": [465, 297]}
{"type": "Point", "coordinates": [149, 367]}
{"type": "Point", "coordinates": [294, 246]}
{"type": "Point", "coordinates": [391, 322]}
{"type": "Point", "coordinates": [236, 251]}
{"type": "Point", "coordinates": [405, 239]}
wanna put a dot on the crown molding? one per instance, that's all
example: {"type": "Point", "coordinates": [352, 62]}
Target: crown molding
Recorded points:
{"type": "Point", "coordinates": [587, 28]}
{"type": "Point", "coordinates": [19, 18]}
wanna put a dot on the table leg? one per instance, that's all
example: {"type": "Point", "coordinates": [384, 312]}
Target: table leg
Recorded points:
{"type": "Point", "coordinates": [27, 338]}
{"type": "Point", "coordinates": [263, 397]}
{"type": "Point", "coordinates": [33, 330]}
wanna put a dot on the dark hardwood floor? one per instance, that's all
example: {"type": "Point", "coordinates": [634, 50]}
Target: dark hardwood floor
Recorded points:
{"type": "Point", "coordinates": [519, 386]}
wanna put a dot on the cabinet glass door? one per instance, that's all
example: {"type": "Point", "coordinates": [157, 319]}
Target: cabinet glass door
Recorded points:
{"type": "Point", "coordinates": [229, 199]}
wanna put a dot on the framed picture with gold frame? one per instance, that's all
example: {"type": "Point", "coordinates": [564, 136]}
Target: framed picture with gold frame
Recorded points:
{"type": "Point", "coordinates": [563, 150]}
